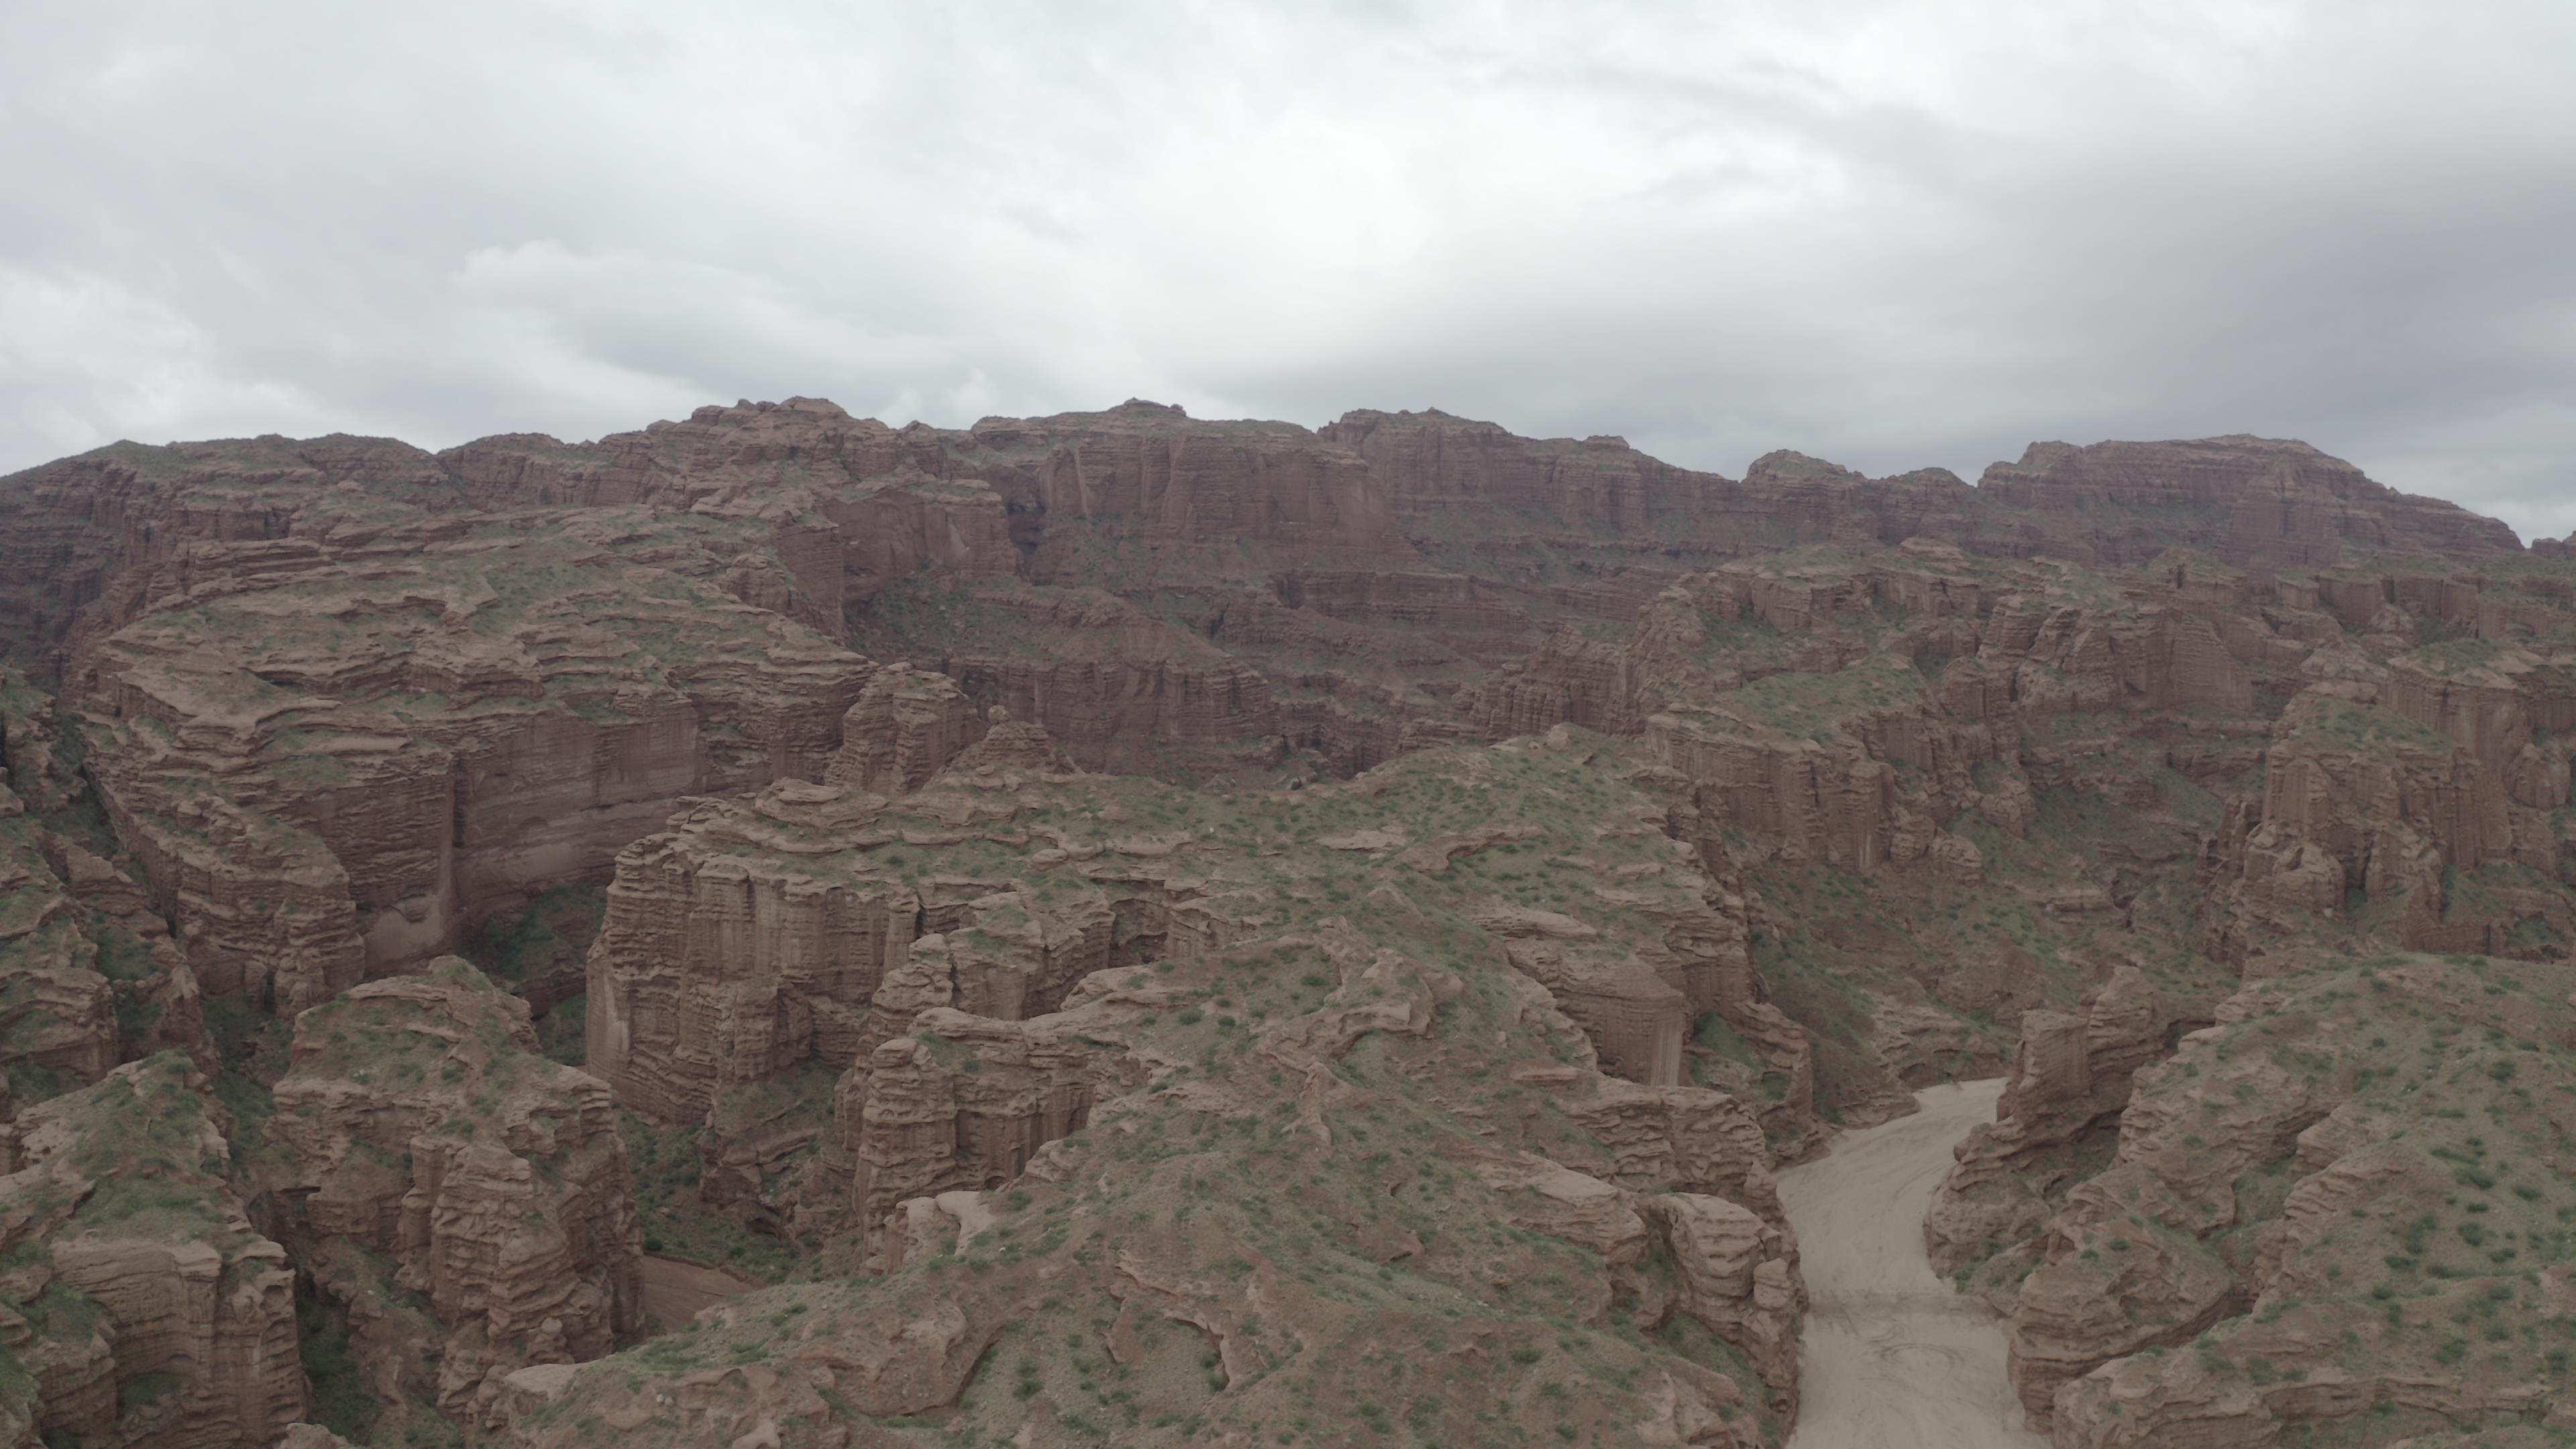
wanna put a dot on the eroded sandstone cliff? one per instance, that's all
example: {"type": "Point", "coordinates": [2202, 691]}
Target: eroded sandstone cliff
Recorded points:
{"type": "Point", "coordinates": [1092, 1107]}
{"type": "Point", "coordinates": [1087, 990]}
{"type": "Point", "coordinates": [138, 1305]}
{"type": "Point", "coordinates": [426, 1153]}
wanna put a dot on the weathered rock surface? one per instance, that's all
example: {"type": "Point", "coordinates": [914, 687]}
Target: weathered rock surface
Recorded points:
{"type": "Point", "coordinates": [140, 1306]}
{"type": "Point", "coordinates": [1108, 989]}
{"type": "Point", "coordinates": [1923, 779]}
{"type": "Point", "coordinates": [906, 726]}
{"type": "Point", "coordinates": [329, 778]}
{"type": "Point", "coordinates": [2254, 502]}
{"type": "Point", "coordinates": [419, 1124]}
{"type": "Point", "coordinates": [89, 975]}
{"type": "Point", "coordinates": [2317, 1208]}
{"type": "Point", "coordinates": [2071, 1077]}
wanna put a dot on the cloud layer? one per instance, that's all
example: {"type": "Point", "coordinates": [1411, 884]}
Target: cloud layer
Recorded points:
{"type": "Point", "coordinates": [1890, 234]}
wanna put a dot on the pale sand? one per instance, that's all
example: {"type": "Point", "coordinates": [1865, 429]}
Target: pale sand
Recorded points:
{"type": "Point", "coordinates": [1894, 1358]}
{"type": "Point", "coordinates": [674, 1291]}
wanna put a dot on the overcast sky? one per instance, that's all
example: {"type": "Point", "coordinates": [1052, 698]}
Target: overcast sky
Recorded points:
{"type": "Point", "coordinates": [1888, 234]}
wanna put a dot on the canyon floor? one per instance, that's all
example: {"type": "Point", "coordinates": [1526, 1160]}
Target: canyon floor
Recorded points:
{"type": "Point", "coordinates": [1895, 1357]}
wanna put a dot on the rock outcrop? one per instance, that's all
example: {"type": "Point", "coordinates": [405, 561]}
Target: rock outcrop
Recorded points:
{"type": "Point", "coordinates": [419, 1125]}
{"type": "Point", "coordinates": [89, 974]}
{"type": "Point", "coordinates": [2253, 502]}
{"type": "Point", "coordinates": [2317, 1207]}
{"type": "Point", "coordinates": [139, 1304]}
{"type": "Point", "coordinates": [1352, 1072]}
{"type": "Point", "coordinates": [1093, 985]}
{"type": "Point", "coordinates": [2070, 1079]}
{"type": "Point", "coordinates": [329, 779]}
{"type": "Point", "coordinates": [906, 726]}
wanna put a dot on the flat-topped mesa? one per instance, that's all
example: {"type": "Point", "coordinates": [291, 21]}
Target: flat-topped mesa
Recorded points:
{"type": "Point", "coordinates": [330, 779]}
{"type": "Point", "coordinates": [843, 505]}
{"type": "Point", "coordinates": [2257, 503]}
{"type": "Point", "coordinates": [141, 1306]}
{"type": "Point", "coordinates": [1446, 475]}
{"type": "Point", "coordinates": [1153, 472]}
{"type": "Point", "coordinates": [419, 1122]}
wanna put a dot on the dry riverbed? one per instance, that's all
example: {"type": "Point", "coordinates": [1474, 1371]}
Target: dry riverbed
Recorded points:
{"type": "Point", "coordinates": [1894, 1358]}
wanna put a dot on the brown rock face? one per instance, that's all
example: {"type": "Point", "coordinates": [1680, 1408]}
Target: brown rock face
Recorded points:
{"type": "Point", "coordinates": [2254, 502]}
{"type": "Point", "coordinates": [400, 748]}
{"type": "Point", "coordinates": [966, 1102]}
{"type": "Point", "coordinates": [2309, 1201]}
{"type": "Point", "coordinates": [716, 969]}
{"type": "Point", "coordinates": [418, 1122]}
{"type": "Point", "coordinates": [907, 725]}
{"type": "Point", "coordinates": [1812, 766]}
{"type": "Point", "coordinates": [79, 941]}
{"type": "Point", "coordinates": [1299, 1053]}
{"type": "Point", "coordinates": [1251, 1093]}
{"type": "Point", "coordinates": [1475, 478]}
{"type": "Point", "coordinates": [2070, 1078]}
{"type": "Point", "coordinates": [2381, 781]}
{"type": "Point", "coordinates": [143, 1305]}
{"type": "Point", "coordinates": [1117, 686]}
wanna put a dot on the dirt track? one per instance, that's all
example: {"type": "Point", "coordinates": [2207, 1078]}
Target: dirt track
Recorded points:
{"type": "Point", "coordinates": [1894, 1359]}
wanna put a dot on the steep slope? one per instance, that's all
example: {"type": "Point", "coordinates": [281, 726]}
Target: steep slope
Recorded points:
{"type": "Point", "coordinates": [2345, 1204]}
{"type": "Point", "coordinates": [138, 1305]}
{"type": "Point", "coordinates": [1162, 1112]}
{"type": "Point", "coordinates": [458, 1202]}
{"type": "Point", "coordinates": [1049, 898]}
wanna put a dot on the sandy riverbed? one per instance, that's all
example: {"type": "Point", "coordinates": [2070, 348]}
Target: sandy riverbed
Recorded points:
{"type": "Point", "coordinates": [674, 1291]}
{"type": "Point", "coordinates": [1894, 1359]}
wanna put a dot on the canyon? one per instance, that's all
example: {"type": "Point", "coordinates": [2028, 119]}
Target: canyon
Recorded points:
{"type": "Point", "coordinates": [776, 929]}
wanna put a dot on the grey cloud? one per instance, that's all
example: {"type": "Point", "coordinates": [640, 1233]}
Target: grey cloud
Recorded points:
{"type": "Point", "coordinates": [1893, 234]}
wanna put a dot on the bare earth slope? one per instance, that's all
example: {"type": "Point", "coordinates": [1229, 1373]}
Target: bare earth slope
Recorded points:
{"type": "Point", "coordinates": [1895, 1359]}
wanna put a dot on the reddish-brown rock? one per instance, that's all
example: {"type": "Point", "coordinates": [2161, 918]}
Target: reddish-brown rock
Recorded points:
{"type": "Point", "coordinates": [419, 1122]}
{"type": "Point", "coordinates": [2254, 502]}
{"type": "Point", "coordinates": [2070, 1077]}
{"type": "Point", "coordinates": [141, 1302]}
{"type": "Point", "coordinates": [330, 780]}
{"type": "Point", "coordinates": [907, 725]}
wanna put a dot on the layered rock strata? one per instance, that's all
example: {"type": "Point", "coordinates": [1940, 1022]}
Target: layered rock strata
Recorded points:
{"type": "Point", "coordinates": [330, 779]}
{"type": "Point", "coordinates": [419, 1128]}
{"type": "Point", "coordinates": [139, 1304]}
{"type": "Point", "coordinates": [1094, 977]}
{"type": "Point", "coordinates": [906, 726]}
{"type": "Point", "coordinates": [2337, 1208]}
{"type": "Point", "coordinates": [89, 974]}
{"type": "Point", "coordinates": [2070, 1079]}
